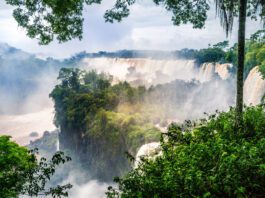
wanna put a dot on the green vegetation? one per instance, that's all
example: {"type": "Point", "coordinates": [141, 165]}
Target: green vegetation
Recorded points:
{"type": "Point", "coordinates": [221, 157]}
{"type": "Point", "coordinates": [255, 53]}
{"type": "Point", "coordinates": [45, 20]}
{"type": "Point", "coordinates": [205, 159]}
{"type": "Point", "coordinates": [211, 54]}
{"type": "Point", "coordinates": [49, 20]}
{"type": "Point", "coordinates": [15, 162]}
{"type": "Point", "coordinates": [99, 122]}
{"type": "Point", "coordinates": [22, 174]}
{"type": "Point", "coordinates": [215, 53]}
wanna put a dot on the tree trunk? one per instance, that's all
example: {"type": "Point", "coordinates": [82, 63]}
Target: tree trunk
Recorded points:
{"type": "Point", "coordinates": [241, 62]}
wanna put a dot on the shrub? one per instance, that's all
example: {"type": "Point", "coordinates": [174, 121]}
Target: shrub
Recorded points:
{"type": "Point", "coordinates": [22, 174]}
{"type": "Point", "coordinates": [207, 159]}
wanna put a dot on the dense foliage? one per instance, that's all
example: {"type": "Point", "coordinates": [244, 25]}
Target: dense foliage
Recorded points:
{"type": "Point", "coordinates": [258, 51]}
{"type": "Point", "coordinates": [22, 174]}
{"type": "Point", "coordinates": [99, 122]}
{"type": "Point", "coordinates": [22, 75]}
{"type": "Point", "coordinates": [255, 53]}
{"type": "Point", "coordinates": [48, 20]}
{"type": "Point", "coordinates": [207, 159]}
{"type": "Point", "coordinates": [220, 52]}
{"type": "Point", "coordinates": [99, 118]}
{"type": "Point", "coordinates": [45, 20]}
{"type": "Point", "coordinates": [15, 161]}
{"type": "Point", "coordinates": [211, 54]}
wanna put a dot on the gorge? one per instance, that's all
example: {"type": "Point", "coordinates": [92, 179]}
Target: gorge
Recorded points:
{"type": "Point", "coordinates": [174, 91]}
{"type": "Point", "coordinates": [148, 72]}
{"type": "Point", "coordinates": [134, 111]}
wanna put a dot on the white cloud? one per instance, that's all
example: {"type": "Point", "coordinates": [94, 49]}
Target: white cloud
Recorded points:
{"type": "Point", "coordinates": [148, 27]}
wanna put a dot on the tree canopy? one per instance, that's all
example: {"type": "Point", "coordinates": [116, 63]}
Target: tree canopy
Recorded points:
{"type": "Point", "coordinates": [204, 159]}
{"type": "Point", "coordinates": [63, 19]}
{"type": "Point", "coordinates": [22, 174]}
{"type": "Point", "coordinates": [93, 127]}
{"type": "Point", "coordinates": [47, 19]}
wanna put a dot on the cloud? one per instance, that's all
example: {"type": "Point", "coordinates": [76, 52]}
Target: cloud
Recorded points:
{"type": "Point", "coordinates": [148, 27]}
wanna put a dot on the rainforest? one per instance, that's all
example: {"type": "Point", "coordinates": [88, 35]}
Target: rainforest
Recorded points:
{"type": "Point", "coordinates": [126, 110]}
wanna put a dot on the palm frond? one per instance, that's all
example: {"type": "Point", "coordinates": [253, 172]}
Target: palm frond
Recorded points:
{"type": "Point", "coordinates": [226, 10]}
{"type": "Point", "coordinates": [260, 10]}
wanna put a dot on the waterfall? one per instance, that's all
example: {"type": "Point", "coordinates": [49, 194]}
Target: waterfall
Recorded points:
{"type": "Point", "coordinates": [58, 143]}
{"type": "Point", "coordinates": [254, 87]}
{"type": "Point", "coordinates": [144, 71]}
{"type": "Point", "coordinates": [223, 70]}
{"type": "Point", "coordinates": [209, 71]}
{"type": "Point", "coordinates": [148, 150]}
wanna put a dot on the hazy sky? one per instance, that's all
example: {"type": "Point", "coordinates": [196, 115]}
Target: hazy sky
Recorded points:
{"type": "Point", "coordinates": [148, 27]}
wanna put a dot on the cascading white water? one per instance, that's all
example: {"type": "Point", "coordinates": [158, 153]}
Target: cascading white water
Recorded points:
{"type": "Point", "coordinates": [254, 87]}
{"type": "Point", "coordinates": [209, 71]}
{"type": "Point", "coordinates": [147, 150]}
{"type": "Point", "coordinates": [144, 71]}
{"type": "Point", "coordinates": [223, 70]}
{"type": "Point", "coordinates": [141, 71]}
{"type": "Point", "coordinates": [152, 71]}
{"type": "Point", "coordinates": [58, 144]}
{"type": "Point", "coordinates": [254, 90]}
{"type": "Point", "coordinates": [58, 139]}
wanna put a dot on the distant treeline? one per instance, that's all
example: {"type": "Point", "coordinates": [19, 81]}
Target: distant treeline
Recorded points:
{"type": "Point", "coordinates": [219, 52]}
{"type": "Point", "coordinates": [215, 53]}
{"type": "Point", "coordinates": [22, 73]}
{"type": "Point", "coordinates": [209, 55]}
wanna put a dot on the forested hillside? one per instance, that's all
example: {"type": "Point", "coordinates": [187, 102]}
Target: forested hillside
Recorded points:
{"type": "Point", "coordinates": [182, 116]}
{"type": "Point", "coordinates": [23, 74]}
{"type": "Point", "coordinates": [100, 122]}
{"type": "Point", "coordinates": [103, 121]}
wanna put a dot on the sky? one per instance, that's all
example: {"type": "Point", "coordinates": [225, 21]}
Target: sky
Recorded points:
{"type": "Point", "coordinates": [148, 27]}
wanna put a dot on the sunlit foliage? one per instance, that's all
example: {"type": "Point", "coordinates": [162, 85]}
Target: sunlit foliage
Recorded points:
{"type": "Point", "coordinates": [99, 121]}
{"type": "Point", "coordinates": [205, 159]}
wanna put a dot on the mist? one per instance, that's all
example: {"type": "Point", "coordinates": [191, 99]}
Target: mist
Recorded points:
{"type": "Point", "coordinates": [178, 89]}
{"type": "Point", "coordinates": [27, 81]}
{"type": "Point", "coordinates": [25, 84]}
{"type": "Point", "coordinates": [182, 89]}
{"type": "Point", "coordinates": [92, 188]}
